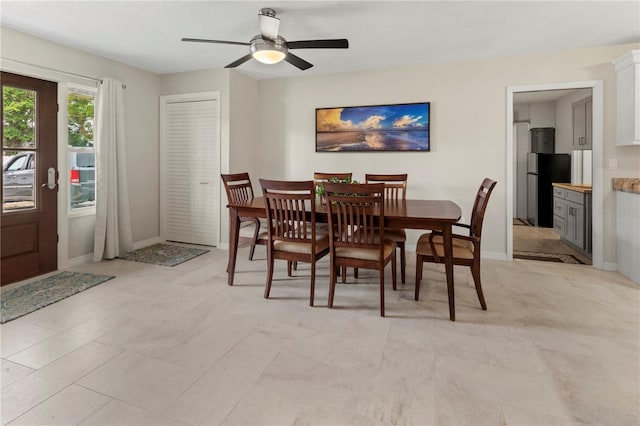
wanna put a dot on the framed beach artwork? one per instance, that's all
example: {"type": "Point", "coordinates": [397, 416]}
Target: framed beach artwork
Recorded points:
{"type": "Point", "coordinates": [398, 127]}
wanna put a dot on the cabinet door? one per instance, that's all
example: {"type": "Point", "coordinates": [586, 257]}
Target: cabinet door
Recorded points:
{"type": "Point", "coordinates": [579, 124]}
{"type": "Point", "coordinates": [559, 207]}
{"type": "Point", "coordinates": [580, 226]}
{"type": "Point", "coordinates": [588, 130]}
{"type": "Point", "coordinates": [574, 225]}
{"type": "Point", "coordinates": [559, 225]}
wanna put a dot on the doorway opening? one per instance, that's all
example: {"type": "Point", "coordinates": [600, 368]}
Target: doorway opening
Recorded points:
{"type": "Point", "coordinates": [555, 137]}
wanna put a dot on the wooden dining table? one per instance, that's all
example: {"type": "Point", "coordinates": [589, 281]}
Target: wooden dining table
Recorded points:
{"type": "Point", "coordinates": [437, 215]}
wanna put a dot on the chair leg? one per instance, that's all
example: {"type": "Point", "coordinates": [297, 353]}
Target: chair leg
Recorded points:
{"type": "Point", "coordinates": [418, 275]}
{"type": "Point", "coordinates": [295, 265]}
{"type": "Point", "coordinates": [289, 264]}
{"type": "Point", "coordinates": [475, 271]}
{"type": "Point", "coordinates": [403, 262]}
{"type": "Point", "coordinates": [382, 290]}
{"type": "Point", "coordinates": [313, 282]}
{"type": "Point", "coordinates": [355, 272]}
{"type": "Point", "coordinates": [267, 288]}
{"type": "Point", "coordinates": [255, 238]}
{"type": "Point", "coordinates": [344, 275]}
{"type": "Point", "coordinates": [332, 284]}
{"type": "Point", "coordinates": [393, 271]}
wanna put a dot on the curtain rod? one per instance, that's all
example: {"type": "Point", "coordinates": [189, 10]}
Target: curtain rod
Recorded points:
{"type": "Point", "coordinates": [97, 80]}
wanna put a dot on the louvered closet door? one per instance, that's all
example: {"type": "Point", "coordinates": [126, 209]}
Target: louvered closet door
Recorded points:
{"type": "Point", "coordinates": [191, 171]}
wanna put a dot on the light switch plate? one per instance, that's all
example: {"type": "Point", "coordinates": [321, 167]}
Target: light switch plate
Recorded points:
{"type": "Point", "coordinates": [613, 164]}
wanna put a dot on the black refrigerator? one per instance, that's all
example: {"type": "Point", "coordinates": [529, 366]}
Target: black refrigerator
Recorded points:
{"type": "Point", "coordinates": [542, 171]}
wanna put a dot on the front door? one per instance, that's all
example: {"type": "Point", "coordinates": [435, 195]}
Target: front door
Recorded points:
{"type": "Point", "coordinates": [28, 230]}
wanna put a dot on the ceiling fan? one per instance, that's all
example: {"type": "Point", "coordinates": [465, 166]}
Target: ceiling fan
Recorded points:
{"type": "Point", "coordinates": [269, 47]}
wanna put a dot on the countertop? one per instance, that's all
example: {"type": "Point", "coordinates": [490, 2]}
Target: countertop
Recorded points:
{"type": "Point", "coordinates": [585, 189]}
{"type": "Point", "coordinates": [627, 185]}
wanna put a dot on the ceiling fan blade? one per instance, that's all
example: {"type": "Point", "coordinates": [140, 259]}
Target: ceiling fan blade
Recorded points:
{"type": "Point", "coordinates": [240, 61]}
{"type": "Point", "coordinates": [297, 61]}
{"type": "Point", "coordinates": [204, 40]}
{"type": "Point", "coordinates": [269, 26]}
{"type": "Point", "coordinates": [339, 43]}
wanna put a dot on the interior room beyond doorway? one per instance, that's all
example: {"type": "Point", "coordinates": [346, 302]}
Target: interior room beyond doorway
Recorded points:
{"type": "Point", "coordinates": [552, 141]}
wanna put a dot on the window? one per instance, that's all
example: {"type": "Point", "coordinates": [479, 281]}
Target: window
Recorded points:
{"type": "Point", "coordinates": [82, 164]}
{"type": "Point", "coordinates": [18, 144]}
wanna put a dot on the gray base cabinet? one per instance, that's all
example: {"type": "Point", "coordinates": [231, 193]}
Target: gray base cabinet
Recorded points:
{"type": "Point", "coordinates": [572, 217]}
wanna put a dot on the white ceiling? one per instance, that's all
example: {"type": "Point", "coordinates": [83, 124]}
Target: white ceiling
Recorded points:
{"type": "Point", "coordinates": [146, 34]}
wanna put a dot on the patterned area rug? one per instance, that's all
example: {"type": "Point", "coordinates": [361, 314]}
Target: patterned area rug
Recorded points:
{"type": "Point", "coordinates": [547, 257]}
{"type": "Point", "coordinates": [27, 298]}
{"type": "Point", "coordinates": [163, 254]}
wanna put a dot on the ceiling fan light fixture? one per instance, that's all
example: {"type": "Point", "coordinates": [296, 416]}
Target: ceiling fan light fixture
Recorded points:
{"type": "Point", "coordinates": [268, 51]}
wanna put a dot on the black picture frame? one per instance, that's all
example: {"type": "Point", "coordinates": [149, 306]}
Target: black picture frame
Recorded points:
{"type": "Point", "coordinates": [404, 127]}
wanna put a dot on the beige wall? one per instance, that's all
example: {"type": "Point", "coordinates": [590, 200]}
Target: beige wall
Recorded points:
{"type": "Point", "coordinates": [141, 127]}
{"type": "Point", "coordinates": [238, 133]}
{"type": "Point", "coordinates": [268, 126]}
{"type": "Point", "coordinates": [467, 126]}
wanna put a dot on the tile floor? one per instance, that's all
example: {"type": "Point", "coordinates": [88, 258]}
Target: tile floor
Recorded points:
{"type": "Point", "coordinates": [559, 345]}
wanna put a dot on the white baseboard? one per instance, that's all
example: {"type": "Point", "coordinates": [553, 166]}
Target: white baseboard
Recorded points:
{"type": "Point", "coordinates": [606, 266]}
{"type": "Point", "coordinates": [493, 255]}
{"type": "Point", "coordinates": [223, 246]}
{"type": "Point", "coordinates": [87, 258]}
{"type": "Point", "coordinates": [146, 243]}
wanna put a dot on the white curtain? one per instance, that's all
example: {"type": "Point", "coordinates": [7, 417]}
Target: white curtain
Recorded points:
{"type": "Point", "coordinates": [113, 219]}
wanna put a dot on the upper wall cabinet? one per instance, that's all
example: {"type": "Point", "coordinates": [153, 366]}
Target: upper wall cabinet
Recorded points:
{"type": "Point", "coordinates": [628, 98]}
{"type": "Point", "coordinates": [582, 124]}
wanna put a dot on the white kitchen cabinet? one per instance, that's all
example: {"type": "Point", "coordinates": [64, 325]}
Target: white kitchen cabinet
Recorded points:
{"type": "Point", "coordinates": [628, 233]}
{"type": "Point", "coordinates": [628, 98]}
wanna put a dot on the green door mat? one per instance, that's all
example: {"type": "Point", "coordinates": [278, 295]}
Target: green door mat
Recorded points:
{"type": "Point", "coordinates": [30, 297]}
{"type": "Point", "coordinates": [163, 254]}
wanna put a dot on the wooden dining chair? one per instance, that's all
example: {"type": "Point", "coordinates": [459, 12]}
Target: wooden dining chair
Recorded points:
{"type": "Point", "coordinates": [291, 224]}
{"type": "Point", "coordinates": [395, 188]}
{"type": "Point", "coordinates": [466, 248]}
{"type": "Point", "coordinates": [357, 239]}
{"type": "Point", "coordinates": [238, 188]}
{"type": "Point", "coordinates": [320, 177]}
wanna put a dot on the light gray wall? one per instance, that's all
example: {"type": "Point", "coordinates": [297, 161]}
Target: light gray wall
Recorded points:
{"type": "Point", "coordinates": [238, 119]}
{"type": "Point", "coordinates": [468, 126]}
{"type": "Point", "coordinates": [141, 127]}
{"type": "Point", "coordinates": [543, 114]}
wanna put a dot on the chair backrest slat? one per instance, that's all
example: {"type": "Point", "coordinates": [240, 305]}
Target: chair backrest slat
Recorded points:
{"type": "Point", "coordinates": [395, 185]}
{"type": "Point", "coordinates": [238, 187]}
{"type": "Point", "coordinates": [290, 210]}
{"type": "Point", "coordinates": [356, 213]}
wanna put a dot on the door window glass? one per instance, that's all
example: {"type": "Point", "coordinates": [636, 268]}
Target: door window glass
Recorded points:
{"type": "Point", "coordinates": [18, 142]}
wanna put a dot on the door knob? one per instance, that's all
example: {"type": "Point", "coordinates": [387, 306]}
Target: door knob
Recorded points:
{"type": "Point", "coordinates": [52, 177]}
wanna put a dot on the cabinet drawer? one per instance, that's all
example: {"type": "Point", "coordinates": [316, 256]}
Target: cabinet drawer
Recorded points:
{"type": "Point", "coordinates": [558, 192]}
{"type": "Point", "coordinates": [559, 207]}
{"type": "Point", "coordinates": [576, 197]}
{"type": "Point", "coordinates": [558, 225]}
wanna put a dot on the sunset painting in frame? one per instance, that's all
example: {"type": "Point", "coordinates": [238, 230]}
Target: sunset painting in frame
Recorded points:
{"type": "Point", "coordinates": [399, 127]}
